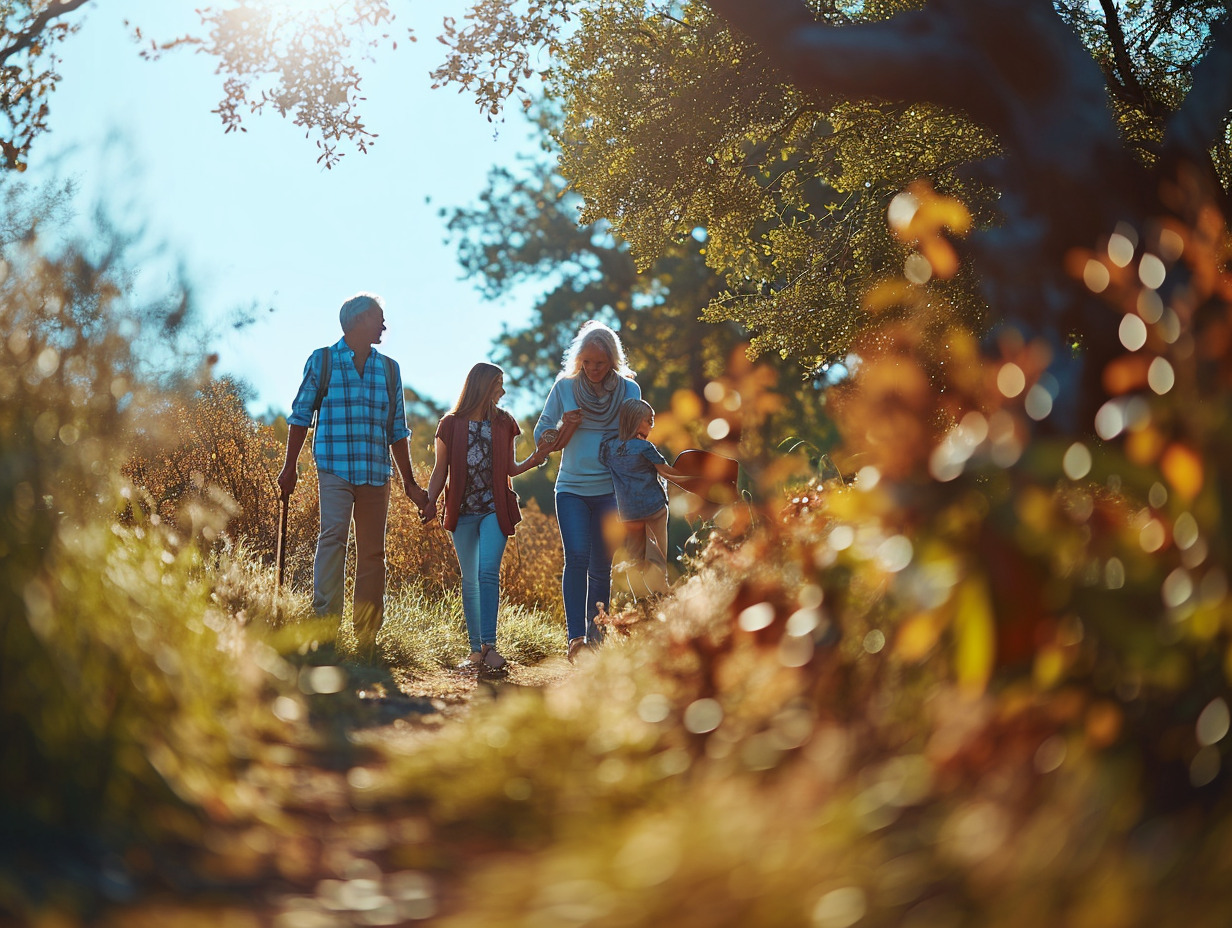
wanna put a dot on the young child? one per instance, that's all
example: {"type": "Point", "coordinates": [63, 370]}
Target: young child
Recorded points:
{"type": "Point", "coordinates": [638, 470]}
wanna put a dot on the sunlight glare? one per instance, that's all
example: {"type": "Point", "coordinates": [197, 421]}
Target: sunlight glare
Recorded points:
{"type": "Point", "coordinates": [1077, 461]}
{"type": "Point", "coordinates": [1095, 275]}
{"type": "Point", "coordinates": [1011, 380]}
{"type": "Point", "coordinates": [1150, 306]}
{"type": "Point", "coordinates": [1160, 376]}
{"type": "Point", "coordinates": [1039, 402]}
{"type": "Point", "coordinates": [1132, 332]}
{"type": "Point", "coordinates": [1151, 272]}
{"type": "Point", "coordinates": [1120, 250]}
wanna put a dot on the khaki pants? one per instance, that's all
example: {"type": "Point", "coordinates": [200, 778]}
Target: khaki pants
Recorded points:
{"type": "Point", "coordinates": [368, 507]}
{"type": "Point", "coordinates": [646, 547]}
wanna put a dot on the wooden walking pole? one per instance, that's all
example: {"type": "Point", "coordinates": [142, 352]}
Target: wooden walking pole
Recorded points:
{"type": "Point", "coordinates": [280, 555]}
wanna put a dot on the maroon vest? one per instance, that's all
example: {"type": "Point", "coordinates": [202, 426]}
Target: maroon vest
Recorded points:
{"type": "Point", "coordinates": [504, 430]}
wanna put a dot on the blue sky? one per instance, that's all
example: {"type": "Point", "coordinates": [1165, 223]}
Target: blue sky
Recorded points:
{"type": "Point", "coordinates": [255, 221]}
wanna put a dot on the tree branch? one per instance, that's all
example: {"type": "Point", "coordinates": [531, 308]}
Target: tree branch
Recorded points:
{"type": "Point", "coordinates": [1120, 54]}
{"type": "Point", "coordinates": [1014, 67]}
{"type": "Point", "coordinates": [27, 37]}
{"type": "Point", "coordinates": [1201, 118]}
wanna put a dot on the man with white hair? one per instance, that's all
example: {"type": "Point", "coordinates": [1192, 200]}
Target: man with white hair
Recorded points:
{"type": "Point", "coordinates": [356, 395]}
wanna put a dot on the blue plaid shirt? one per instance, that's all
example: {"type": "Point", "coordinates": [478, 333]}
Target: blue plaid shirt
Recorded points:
{"type": "Point", "coordinates": [350, 440]}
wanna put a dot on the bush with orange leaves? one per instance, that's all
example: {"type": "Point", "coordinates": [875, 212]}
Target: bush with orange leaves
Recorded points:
{"type": "Point", "coordinates": [986, 684]}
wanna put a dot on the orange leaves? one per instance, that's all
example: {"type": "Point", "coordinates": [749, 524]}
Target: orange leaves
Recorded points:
{"type": "Point", "coordinates": [1144, 446]}
{"type": "Point", "coordinates": [1127, 374]}
{"type": "Point", "coordinates": [920, 216]}
{"type": "Point", "coordinates": [917, 637]}
{"type": "Point", "coordinates": [1182, 466]}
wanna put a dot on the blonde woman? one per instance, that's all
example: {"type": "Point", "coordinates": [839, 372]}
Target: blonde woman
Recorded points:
{"type": "Point", "coordinates": [581, 410]}
{"type": "Point", "coordinates": [475, 462]}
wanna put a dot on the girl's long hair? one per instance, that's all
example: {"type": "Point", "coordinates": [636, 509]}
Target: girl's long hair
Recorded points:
{"type": "Point", "coordinates": [603, 337]}
{"type": "Point", "coordinates": [632, 412]}
{"type": "Point", "coordinates": [476, 395]}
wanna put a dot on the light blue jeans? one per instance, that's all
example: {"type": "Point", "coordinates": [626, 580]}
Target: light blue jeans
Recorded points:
{"type": "Point", "coordinates": [587, 578]}
{"type": "Point", "coordinates": [480, 544]}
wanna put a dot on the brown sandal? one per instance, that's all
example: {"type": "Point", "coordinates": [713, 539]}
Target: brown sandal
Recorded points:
{"type": "Point", "coordinates": [472, 663]}
{"type": "Point", "coordinates": [575, 645]}
{"type": "Point", "coordinates": [493, 658]}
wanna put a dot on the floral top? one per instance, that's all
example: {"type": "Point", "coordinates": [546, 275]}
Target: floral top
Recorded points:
{"type": "Point", "coordinates": [479, 497]}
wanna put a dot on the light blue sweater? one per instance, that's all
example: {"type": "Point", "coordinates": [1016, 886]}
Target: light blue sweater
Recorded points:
{"type": "Point", "coordinates": [580, 471]}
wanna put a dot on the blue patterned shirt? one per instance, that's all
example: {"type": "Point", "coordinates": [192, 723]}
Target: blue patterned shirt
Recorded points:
{"type": "Point", "coordinates": [640, 491]}
{"type": "Point", "coordinates": [351, 440]}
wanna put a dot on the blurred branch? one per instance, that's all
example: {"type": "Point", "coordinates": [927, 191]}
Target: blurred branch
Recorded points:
{"type": "Point", "coordinates": [33, 32]}
{"type": "Point", "coordinates": [1201, 119]}
{"type": "Point", "coordinates": [1126, 79]}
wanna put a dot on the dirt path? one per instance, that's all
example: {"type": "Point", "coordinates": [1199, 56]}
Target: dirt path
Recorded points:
{"type": "Point", "coordinates": [426, 704]}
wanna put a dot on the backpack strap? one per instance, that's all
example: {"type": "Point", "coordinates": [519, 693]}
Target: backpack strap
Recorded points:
{"type": "Point", "coordinates": [392, 386]}
{"type": "Point", "coordinates": [322, 382]}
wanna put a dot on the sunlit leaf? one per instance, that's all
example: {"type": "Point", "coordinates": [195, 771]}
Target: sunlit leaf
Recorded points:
{"type": "Point", "coordinates": [974, 635]}
{"type": "Point", "coordinates": [1183, 468]}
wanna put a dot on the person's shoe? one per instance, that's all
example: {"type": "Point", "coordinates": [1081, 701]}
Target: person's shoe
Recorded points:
{"type": "Point", "coordinates": [492, 658]}
{"type": "Point", "coordinates": [575, 646]}
{"type": "Point", "coordinates": [473, 663]}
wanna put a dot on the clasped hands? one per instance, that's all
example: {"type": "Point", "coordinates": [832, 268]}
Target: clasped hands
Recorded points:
{"type": "Point", "coordinates": [553, 440]}
{"type": "Point", "coordinates": [419, 496]}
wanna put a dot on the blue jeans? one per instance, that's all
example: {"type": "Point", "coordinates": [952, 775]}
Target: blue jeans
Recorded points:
{"type": "Point", "coordinates": [480, 544]}
{"type": "Point", "coordinates": [587, 578]}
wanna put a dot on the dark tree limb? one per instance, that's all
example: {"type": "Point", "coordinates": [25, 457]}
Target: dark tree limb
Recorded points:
{"type": "Point", "coordinates": [1016, 68]}
{"type": "Point", "coordinates": [1126, 78]}
{"type": "Point", "coordinates": [1200, 120]}
{"type": "Point", "coordinates": [1012, 66]}
{"type": "Point", "coordinates": [36, 27]}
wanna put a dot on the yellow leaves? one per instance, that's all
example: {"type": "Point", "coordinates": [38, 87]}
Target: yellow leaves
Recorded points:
{"type": "Point", "coordinates": [1049, 666]}
{"type": "Point", "coordinates": [888, 294]}
{"type": "Point", "coordinates": [1143, 446]}
{"type": "Point", "coordinates": [687, 405]}
{"type": "Point", "coordinates": [974, 635]}
{"type": "Point", "coordinates": [917, 637]}
{"type": "Point", "coordinates": [1035, 509]}
{"type": "Point", "coordinates": [971, 620]}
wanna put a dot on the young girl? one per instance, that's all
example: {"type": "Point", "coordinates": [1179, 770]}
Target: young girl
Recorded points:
{"type": "Point", "coordinates": [638, 470]}
{"type": "Point", "coordinates": [474, 450]}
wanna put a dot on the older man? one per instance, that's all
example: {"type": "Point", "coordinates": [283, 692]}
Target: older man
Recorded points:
{"type": "Point", "coordinates": [356, 394]}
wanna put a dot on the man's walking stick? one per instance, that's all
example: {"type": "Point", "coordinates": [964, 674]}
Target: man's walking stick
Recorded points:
{"type": "Point", "coordinates": [280, 555]}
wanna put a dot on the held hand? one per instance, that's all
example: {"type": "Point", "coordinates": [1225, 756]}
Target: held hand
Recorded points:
{"type": "Point", "coordinates": [287, 479]}
{"type": "Point", "coordinates": [572, 417]}
{"type": "Point", "coordinates": [427, 513]}
{"type": "Point", "coordinates": [413, 491]}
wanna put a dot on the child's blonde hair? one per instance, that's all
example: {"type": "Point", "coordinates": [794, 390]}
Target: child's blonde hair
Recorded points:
{"type": "Point", "coordinates": [632, 412]}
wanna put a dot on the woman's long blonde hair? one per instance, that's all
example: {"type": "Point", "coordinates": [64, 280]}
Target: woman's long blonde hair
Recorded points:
{"type": "Point", "coordinates": [632, 412]}
{"type": "Point", "coordinates": [476, 395]}
{"type": "Point", "coordinates": [603, 337]}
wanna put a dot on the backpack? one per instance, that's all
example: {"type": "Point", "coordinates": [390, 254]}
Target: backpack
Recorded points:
{"type": "Point", "coordinates": [326, 362]}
